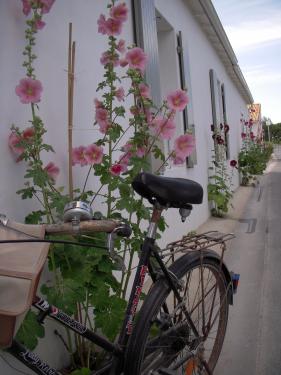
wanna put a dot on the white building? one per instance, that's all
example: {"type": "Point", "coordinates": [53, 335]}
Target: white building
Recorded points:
{"type": "Point", "coordinates": [187, 47]}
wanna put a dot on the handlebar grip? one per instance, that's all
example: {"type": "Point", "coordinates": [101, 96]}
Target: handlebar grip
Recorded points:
{"type": "Point", "coordinates": [88, 226]}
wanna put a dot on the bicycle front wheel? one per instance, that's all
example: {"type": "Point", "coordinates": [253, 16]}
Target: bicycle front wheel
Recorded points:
{"type": "Point", "coordinates": [163, 339]}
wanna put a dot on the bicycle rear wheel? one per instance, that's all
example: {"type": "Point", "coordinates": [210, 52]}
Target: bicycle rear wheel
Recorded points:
{"type": "Point", "coordinates": [162, 337]}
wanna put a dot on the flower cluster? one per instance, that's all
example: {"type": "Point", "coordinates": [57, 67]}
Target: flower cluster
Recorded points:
{"type": "Point", "coordinates": [218, 136]}
{"type": "Point", "coordinates": [43, 5]}
{"type": "Point", "coordinates": [87, 155]}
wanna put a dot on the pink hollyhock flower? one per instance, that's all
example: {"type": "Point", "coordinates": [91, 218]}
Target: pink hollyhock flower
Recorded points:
{"type": "Point", "coordinates": [47, 5]}
{"type": "Point", "coordinates": [177, 100]}
{"type": "Point", "coordinates": [127, 147]}
{"type": "Point", "coordinates": [94, 154]}
{"type": "Point", "coordinates": [29, 90]}
{"type": "Point", "coordinates": [119, 12]}
{"type": "Point", "coordinates": [107, 58]}
{"type": "Point", "coordinates": [163, 127]}
{"type": "Point", "coordinates": [136, 58]}
{"type": "Point", "coordinates": [125, 158]}
{"type": "Point", "coordinates": [116, 169]}
{"type": "Point", "coordinates": [78, 156]}
{"type": "Point", "coordinates": [52, 171]}
{"type": "Point", "coordinates": [141, 151]}
{"type": "Point", "coordinates": [123, 63]}
{"type": "Point", "coordinates": [177, 160]}
{"type": "Point", "coordinates": [102, 28]}
{"type": "Point", "coordinates": [252, 135]}
{"type": "Point", "coordinates": [14, 145]}
{"type": "Point", "coordinates": [184, 145]}
{"type": "Point", "coordinates": [28, 134]}
{"type": "Point", "coordinates": [243, 135]}
{"type": "Point", "coordinates": [39, 24]}
{"type": "Point", "coordinates": [98, 103]}
{"type": "Point", "coordinates": [102, 119]}
{"type": "Point", "coordinates": [26, 7]}
{"type": "Point", "coordinates": [120, 94]}
{"type": "Point", "coordinates": [113, 27]}
{"type": "Point", "coordinates": [121, 46]}
{"type": "Point", "coordinates": [144, 90]}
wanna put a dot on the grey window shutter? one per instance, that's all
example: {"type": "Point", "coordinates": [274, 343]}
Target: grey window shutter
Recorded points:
{"type": "Point", "coordinates": [227, 148]}
{"type": "Point", "coordinates": [215, 99]}
{"type": "Point", "coordinates": [188, 119]}
{"type": "Point", "coordinates": [146, 38]}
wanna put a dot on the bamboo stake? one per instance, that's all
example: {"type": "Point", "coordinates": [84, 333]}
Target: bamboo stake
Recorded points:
{"type": "Point", "coordinates": [71, 64]}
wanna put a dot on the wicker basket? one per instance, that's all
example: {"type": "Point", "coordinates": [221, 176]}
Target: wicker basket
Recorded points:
{"type": "Point", "coordinates": [20, 268]}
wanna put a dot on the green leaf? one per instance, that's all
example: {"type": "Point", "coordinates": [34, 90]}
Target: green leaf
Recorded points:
{"type": "Point", "coordinates": [30, 331]}
{"type": "Point", "coordinates": [35, 217]}
{"type": "Point", "coordinates": [81, 371]}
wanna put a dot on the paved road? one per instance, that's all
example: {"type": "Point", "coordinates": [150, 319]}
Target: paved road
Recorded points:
{"type": "Point", "coordinates": [253, 341]}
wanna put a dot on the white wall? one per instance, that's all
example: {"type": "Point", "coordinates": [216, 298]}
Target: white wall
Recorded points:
{"type": "Point", "coordinates": [202, 57]}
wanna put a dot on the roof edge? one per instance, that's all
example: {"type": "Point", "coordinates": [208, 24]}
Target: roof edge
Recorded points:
{"type": "Point", "coordinates": [214, 21]}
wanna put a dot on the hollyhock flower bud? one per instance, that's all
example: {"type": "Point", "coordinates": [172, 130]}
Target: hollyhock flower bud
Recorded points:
{"type": "Point", "coordinates": [144, 91]}
{"type": "Point", "coordinates": [47, 5]}
{"type": "Point", "coordinates": [243, 135]}
{"type": "Point", "coordinates": [121, 46]}
{"type": "Point", "coordinates": [102, 29]}
{"type": "Point", "coordinates": [26, 7]}
{"type": "Point", "coordinates": [212, 128]}
{"type": "Point", "coordinates": [39, 24]}
{"type": "Point", "coordinates": [226, 128]}
{"type": "Point", "coordinates": [120, 94]}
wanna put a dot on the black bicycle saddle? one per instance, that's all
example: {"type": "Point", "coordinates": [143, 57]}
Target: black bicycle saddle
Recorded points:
{"type": "Point", "coordinates": [168, 191]}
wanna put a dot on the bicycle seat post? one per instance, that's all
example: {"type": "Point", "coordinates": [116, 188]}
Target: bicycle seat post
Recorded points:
{"type": "Point", "coordinates": [155, 217]}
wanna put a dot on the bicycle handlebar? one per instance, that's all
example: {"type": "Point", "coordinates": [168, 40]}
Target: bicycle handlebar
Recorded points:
{"type": "Point", "coordinates": [87, 226]}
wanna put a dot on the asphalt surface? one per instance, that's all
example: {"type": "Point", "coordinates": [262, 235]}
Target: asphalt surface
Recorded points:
{"type": "Point", "coordinates": [253, 340]}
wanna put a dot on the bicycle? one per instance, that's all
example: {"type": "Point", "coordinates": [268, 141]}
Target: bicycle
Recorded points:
{"type": "Point", "coordinates": [181, 324]}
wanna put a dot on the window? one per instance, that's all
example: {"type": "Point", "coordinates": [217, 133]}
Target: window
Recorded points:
{"type": "Point", "coordinates": [219, 113]}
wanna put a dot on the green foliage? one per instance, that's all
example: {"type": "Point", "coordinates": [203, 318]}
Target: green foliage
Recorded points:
{"type": "Point", "coordinates": [83, 282]}
{"type": "Point", "coordinates": [81, 371]}
{"type": "Point", "coordinates": [274, 131]}
{"type": "Point", "coordinates": [252, 160]}
{"type": "Point", "coordinates": [30, 331]}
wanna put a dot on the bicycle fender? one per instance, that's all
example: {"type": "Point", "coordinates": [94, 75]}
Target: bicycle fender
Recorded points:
{"type": "Point", "coordinates": [194, 256]}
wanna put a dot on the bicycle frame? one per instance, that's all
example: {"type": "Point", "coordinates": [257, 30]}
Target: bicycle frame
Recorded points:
{"type": "Point", "coordinates": [115, 365]}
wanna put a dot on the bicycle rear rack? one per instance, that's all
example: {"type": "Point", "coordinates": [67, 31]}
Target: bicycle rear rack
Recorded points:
{"type": "Point", "coordinates": [197, 242]}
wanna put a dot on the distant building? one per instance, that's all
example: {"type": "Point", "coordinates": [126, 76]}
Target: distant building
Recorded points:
{"type": "Point", "coordinates": [255, 116]}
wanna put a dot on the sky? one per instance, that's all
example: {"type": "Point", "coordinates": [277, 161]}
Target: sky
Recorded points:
{"type": "Point", "coordinates": [254, 30]}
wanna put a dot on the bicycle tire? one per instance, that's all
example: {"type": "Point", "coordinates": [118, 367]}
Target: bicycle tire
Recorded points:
{"type": "Point", "coordinates": [163, 339]}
